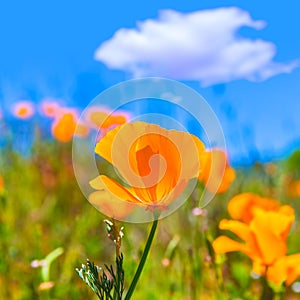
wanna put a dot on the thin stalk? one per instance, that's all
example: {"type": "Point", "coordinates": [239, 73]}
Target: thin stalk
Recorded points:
{"type": "Point", "coordinates": [116, 290]}
{"type": "Point", "coordinates": [267, 292]}
{"type": "Point", "coordinates": [142, 261]}
{"type": "Point", "coordinates": [279, 296]}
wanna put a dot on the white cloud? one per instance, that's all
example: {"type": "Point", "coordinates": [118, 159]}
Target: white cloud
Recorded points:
{"type": "Point", "coordinates": [202, 45]}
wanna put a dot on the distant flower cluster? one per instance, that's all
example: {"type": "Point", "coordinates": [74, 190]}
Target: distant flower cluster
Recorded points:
{"type": "Point", "coordinates": [65, 120]}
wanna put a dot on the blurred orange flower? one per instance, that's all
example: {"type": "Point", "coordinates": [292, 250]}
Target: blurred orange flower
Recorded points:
{"type": "Point", "coordinates": [63, 127]}
{"type": "Point", "coordinates": [23, 110]}
{"type": "Point", "coordinates": [66, 125]}
{"type": "Point", "coordinates": [216, 173]}
{"type": "Point", "coordinates": [157, 164]}
{"type": "Point", "coordinates": [243, 206]}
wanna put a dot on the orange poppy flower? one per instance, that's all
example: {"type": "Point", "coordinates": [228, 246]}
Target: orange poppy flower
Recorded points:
{"type": "Point", "coordinates": [216, 173]}
{"type": "Point", "coordinates": [156, 164]}
{"type": "Point", "coordinates": [64, 126]}
{"type": "Point", "coordinates": [23, 110]}
{"type": "Point", "coordinates": [264, 238]}
{"type": "Point", "coordinates": [243, 206]}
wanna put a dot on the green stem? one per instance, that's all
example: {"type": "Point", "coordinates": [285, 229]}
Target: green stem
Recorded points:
{"type": "Point", "coordinates": [142, 261]}
{"type": "Point", "coordinates": [278, 296]}
{"type": "Point", "coordinates": [267, 292]}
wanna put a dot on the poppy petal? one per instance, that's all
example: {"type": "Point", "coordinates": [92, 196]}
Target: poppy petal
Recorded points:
{"type": "Point", "coordinates": [103, 182]}
{"type": "Point", "coordinates": [238, 228]}
{"type": "Point", "coordinates": [223, 244]}
{"type": "Point", "coordinates": [110, 205]}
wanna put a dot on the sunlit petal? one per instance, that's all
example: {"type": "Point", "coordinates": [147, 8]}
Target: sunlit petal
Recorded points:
{"type": "Point", "coordinates": [110, 205]}
{"type": "Point", "coordinates": [223, 244]}
{"type": "Point", "coordinates": [103, 182]}
{"type": "Point", "coordinates": [238, 228]}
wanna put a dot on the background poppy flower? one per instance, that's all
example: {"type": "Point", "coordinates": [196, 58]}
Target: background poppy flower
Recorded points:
{"type": "Point", "coordinates": [216, 173]}
{"type": "Point", "coordinates": [64, 126]}
{"type": "Point", "coordinates": [49, 108]}
{"type": "Point", "coordinates": [23, 110]}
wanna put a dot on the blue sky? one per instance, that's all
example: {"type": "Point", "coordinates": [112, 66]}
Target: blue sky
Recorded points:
{"type": "Point", "coordinates": [47, 49]}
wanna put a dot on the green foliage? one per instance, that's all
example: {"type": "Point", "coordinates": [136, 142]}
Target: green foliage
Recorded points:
{"type": "Point", "coordinates": [106, 284]}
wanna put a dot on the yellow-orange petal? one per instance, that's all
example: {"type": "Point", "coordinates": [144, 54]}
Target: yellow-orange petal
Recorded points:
{"type": "Point", "coordinates": [104, 146]}
{"type": "Point", "coordinates": [120, 192]}
{"type": "Point", "coordinates": [240, 229]}
{"type": "Point", "coordinates": [122, 137]}
{"type": "Point", "coordinates": [288, 219]}
{"type": "Point", "coordinates": [258, 266]}
{"type": "Point", "coordinates": [158, 163]}
{"type": "Point", "coordinates": [111, 206]}
{"type": "Point", "coordinates": [292, 268]}
{"type": "Point", "coordinates": [223, 244]}
{"type": "Point", "coordinates": [277, 272]}
{"type": "Point", "coordinates": [97, 184]}
{"type": "Point", "coordinates": [269, 229]}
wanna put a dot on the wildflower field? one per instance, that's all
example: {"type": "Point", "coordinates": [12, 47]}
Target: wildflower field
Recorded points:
{"type": "Point", "coordinates": [243, 245]}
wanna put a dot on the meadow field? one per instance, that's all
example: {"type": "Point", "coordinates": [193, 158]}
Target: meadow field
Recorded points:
{"type": "Point", "coordinates": [48, 228]}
